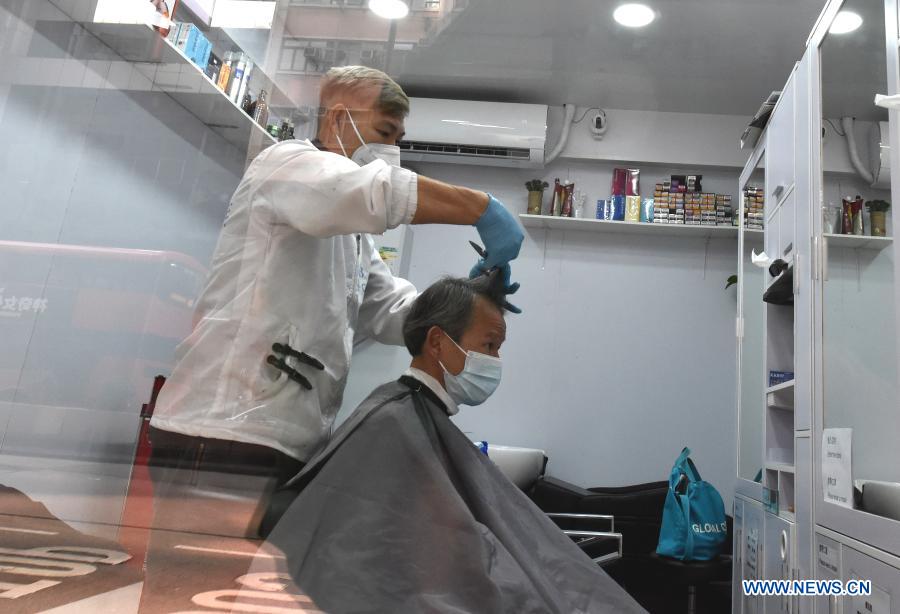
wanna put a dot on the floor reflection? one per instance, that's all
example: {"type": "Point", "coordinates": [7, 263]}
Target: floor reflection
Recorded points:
{"type": "Point", "coordinates": [49, 565]}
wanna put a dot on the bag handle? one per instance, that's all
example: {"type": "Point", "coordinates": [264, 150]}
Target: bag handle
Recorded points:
{"type": "Point", "coordinates": [686, 511]}
{"type": "Point", "coordinates": [687, 466]}
{"type": "Point", "coordinates": [691, 471]}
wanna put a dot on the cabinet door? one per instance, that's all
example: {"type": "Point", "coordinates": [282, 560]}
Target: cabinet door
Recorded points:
{"type": "Point", "coordinates": [856, 332]}
{"type": "Point", "coordinates": [753, 551]}
{"type": "Point", "coordinates": [885, 597]}
{"type": "Point", "coordinates": [780, 148]}
{"type": "Point", "coordinates": [777, 561]}
{"type": "Point", "coordinates": [827, 567]}
{"type": "Point", "coordinates": [737, 564]}
{"type": "Point", "coordinates": [780, 234]}
{"type": "Point", "coordinates": [803, 553]}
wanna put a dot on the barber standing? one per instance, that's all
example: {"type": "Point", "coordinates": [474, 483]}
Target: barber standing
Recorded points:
{"type": "Point", "coordinates": [295, 281]}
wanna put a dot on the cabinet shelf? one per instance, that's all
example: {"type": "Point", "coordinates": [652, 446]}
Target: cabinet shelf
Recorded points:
{"type": "Point", "coordinates": [788, 385]}
{"type": "Point", "coordinates": [781, 400]}
{"type": "Point", "coordinates": [859, 241]}
{"type": "Point", "coordinates": [613, 227]}
{"type": "Point", "coordinates": [780, 467]}
{"type": "Point", "coordinates": [789, 516]}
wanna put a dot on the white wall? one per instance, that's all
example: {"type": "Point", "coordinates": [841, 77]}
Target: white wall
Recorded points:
{"type": "Point", "coordinates": [685, 139]}
{"type": "Point", "coordinates": [625, 351]}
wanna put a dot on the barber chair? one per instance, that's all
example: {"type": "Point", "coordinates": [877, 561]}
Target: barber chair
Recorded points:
{"type": "Point", "coordinates": [595, 534]}
{"type": "Point", "coordinates": [655, 582]}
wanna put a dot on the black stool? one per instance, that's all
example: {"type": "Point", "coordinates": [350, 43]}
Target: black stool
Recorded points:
{"type": "Point", "coordinates": [694, 574]}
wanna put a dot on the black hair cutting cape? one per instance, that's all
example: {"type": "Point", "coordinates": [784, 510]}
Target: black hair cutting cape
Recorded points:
{"type": "Point", "coordinates": [401, 513]}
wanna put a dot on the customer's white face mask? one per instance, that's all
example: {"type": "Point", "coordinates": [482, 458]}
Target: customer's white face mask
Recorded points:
{"type": "Point", "coordinates": [477, 381]}
{"type": "Point", "coordinates": [369, 152]}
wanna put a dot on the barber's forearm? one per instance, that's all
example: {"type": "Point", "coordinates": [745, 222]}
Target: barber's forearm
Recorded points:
{"type": "Point", "coordinates": [442, 203]}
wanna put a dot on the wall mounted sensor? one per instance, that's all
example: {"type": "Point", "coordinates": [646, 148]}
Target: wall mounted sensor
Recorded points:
{"type": "Point", "coordinates": [599, 124]}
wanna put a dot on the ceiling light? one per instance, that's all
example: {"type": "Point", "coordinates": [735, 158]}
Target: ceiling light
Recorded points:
{"type": "Point", "coordinates": [845, 22]}
{"type": "Point", "coordinates": [389, 9]}
{"type": "Point", "coordinates": [634, 15]}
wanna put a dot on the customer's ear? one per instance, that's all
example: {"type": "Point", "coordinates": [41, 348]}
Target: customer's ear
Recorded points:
{"type": "Point", "coordinates": [432, 346]}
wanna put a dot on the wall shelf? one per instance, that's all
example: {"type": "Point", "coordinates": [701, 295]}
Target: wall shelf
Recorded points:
{"type": "Point", "coordinates": [171, 72]}
{"type": "Point", "coordinates": [859, 241]}
{"type": "Point", "coordinates": [612, 227]}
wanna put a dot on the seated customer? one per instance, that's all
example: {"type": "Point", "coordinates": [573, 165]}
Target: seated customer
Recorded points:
{"type": "Point", "coordinates": [401, 513]}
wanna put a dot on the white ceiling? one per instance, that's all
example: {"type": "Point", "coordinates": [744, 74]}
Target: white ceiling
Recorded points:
{"type": "Point", "coordinates": [701, 56]}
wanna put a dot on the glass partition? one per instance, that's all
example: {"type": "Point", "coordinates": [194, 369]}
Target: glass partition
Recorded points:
{"type": "Point", "coordinates": [859, 336]}
{"type": "Point", "coordinates": [752, 280]}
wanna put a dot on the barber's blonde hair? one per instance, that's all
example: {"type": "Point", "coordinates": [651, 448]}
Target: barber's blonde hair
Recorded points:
{"type": "Point", "coordinates": [392, 100]}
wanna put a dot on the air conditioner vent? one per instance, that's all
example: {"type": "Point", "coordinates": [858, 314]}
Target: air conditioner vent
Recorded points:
{"type": "Point", "coordinates": [500, 134]}
{"type": "Point", "coordinates": [480, 151]}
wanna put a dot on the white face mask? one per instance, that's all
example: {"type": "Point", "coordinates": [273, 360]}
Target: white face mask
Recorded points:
{"type": "Point", "coordinates": [477, 381]}
{"type": "Point", "coordinates": [366, 152]}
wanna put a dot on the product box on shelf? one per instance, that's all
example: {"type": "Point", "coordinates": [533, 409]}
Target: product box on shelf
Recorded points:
{"type": "Point", "coordinates": [780, 377]}
{"type": "Point", "coordinates": [192, 43]}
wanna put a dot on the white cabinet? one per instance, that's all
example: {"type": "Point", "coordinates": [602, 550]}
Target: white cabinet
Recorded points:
{"type": "Point", "coordinates": [840, 336]}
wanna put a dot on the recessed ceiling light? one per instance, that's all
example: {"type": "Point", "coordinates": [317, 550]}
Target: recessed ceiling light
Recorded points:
{"type": "Point", "coordinates": [845, 22]}
{"type": "Point", "coordinates": [389, 9]}
{"type": "Point", "coordinates": [634, 15]}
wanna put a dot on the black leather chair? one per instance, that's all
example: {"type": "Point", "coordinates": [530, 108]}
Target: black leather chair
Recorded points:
{"type": "Point", "coordinates": [659, 585]}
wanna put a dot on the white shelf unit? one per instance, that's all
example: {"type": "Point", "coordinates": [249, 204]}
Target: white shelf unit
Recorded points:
{"type": "Point", "coordinates": [170, 71]}
{"type": "Point", "coordinates": [632, 228]}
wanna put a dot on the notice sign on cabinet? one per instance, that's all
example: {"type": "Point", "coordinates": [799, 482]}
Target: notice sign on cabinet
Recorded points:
{"type": "Point", "coordinates": [837, 475]}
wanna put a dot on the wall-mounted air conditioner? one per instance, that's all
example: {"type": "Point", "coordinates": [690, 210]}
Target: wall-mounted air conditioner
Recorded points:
{"type": "Point", "coordinates": [481, 133]}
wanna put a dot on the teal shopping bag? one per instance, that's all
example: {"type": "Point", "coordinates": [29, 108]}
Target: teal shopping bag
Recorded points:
{"type": "Point", "coordinates": [693, 523]}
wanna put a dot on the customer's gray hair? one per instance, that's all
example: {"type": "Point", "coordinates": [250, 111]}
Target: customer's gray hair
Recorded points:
{"type": "Point", "coordinates": [392, 99]}
{"type": "Point", "coordinates": [449, 304]}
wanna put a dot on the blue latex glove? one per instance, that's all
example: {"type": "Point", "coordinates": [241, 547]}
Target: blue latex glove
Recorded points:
{"type": "Point", "coordinates": [481, 268]}
{"type": "Point", "coordinates": [500, 233]}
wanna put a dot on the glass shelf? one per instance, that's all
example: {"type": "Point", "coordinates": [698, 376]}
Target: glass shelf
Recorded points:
{"type": "Point", "coordinates": [170, 71]}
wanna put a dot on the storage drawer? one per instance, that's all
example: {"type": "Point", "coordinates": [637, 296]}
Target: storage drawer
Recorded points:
{"type": "Point", "coordinates": [885, 597]}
